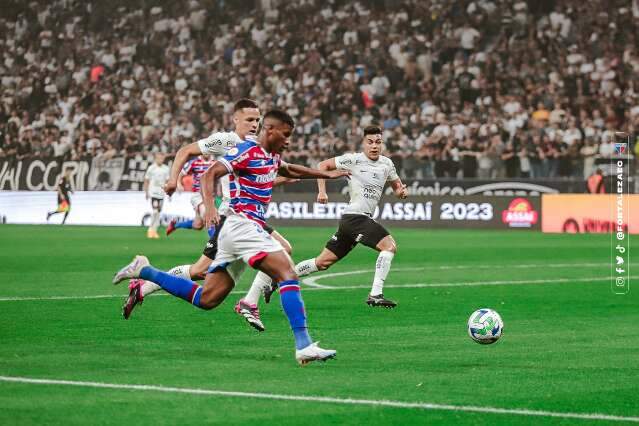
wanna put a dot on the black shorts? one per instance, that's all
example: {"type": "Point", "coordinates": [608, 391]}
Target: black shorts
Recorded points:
{"type": "Point", "coordinates": [210, 249]}
{"type": "Point", "coordinates": [157, 203]}
{"type": "Point", "coordinates": [353, 229]}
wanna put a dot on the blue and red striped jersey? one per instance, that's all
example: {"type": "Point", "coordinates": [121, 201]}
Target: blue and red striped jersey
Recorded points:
{"type": "Point", "coordinates": [196, 168]}
{"type": "Point", "coordinates": [253, 171]}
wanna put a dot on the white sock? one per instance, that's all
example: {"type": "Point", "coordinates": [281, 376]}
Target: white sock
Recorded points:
{"type": "Point", "coordinates": [155, 220]}
{"type": "Point", "coordinates": [259, 283]}
{"type": "Point", "coordinates": [148, 288]}
{"type": "Point", "coordinates": [381, 271]}
{"type": "Point", "coordinates": [306, 267]}
{"type": "Point", "coordinates": [181, 271]}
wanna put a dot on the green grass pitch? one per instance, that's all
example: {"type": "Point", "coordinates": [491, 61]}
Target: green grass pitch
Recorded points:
{"type": "Point", "coordinates": [570, 345]}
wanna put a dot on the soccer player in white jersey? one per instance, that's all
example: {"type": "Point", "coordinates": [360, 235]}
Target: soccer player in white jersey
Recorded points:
{"type": "Point", "coordinates": [246, 117]}
{"type": "Point", "coordinates": [369, 173]}
{"type": "Point", "coordinates": [253, 166]}
{"type": "Point", "coordinates": [154, 180]}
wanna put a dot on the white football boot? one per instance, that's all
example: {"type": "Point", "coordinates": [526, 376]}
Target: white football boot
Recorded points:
{"type": "Point", "coordinates": [132, 270]}
{"type": "Point", "coordinates": [313, 353]}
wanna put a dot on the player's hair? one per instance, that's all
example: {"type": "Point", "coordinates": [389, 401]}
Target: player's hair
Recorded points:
{"type": "Point", "coordinates": [279, 115]}
{"type": "Point", "coordinates": [244, 103]}
{"type": "Point", "coordinates": [372, 130]}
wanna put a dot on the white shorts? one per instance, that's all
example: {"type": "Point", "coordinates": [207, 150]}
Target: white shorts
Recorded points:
{"type": "Point", "coordinates": [196, 200]}
{"type": "Point", "coordinates": [241, 241]}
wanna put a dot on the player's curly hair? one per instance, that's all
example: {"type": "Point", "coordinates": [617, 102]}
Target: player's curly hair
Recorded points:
{"type": "Point", "coordinates": [281, 116]}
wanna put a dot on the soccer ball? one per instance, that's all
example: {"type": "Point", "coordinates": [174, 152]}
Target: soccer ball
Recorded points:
{"type": "Point", "coordinates": [485, 326]}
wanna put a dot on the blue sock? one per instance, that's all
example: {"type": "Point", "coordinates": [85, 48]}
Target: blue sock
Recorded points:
{"type": "Point", "coordinates": [211, 231]}
{"type": "Point", "coordinates": [186, 224]}
{"type": "Point", "coordinates": [294, 309]}
{"type": "Point", "coordinates": [179, 287]}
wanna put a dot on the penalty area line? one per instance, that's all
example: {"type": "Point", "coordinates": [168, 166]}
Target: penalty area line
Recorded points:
{"type": "Point", "coordinates": [323, 399]}
{"type": "Point", "coordinates": [331, 288]}
{"type": "Point", "coordinates": [473, 283]}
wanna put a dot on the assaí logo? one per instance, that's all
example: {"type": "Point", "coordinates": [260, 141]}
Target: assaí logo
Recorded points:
{"type": "Point", "coordinates": [520, 214]}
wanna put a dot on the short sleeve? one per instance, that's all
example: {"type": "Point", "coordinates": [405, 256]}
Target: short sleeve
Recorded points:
{"type": "Point", "coordinates": [147, 175]}
{"type": "Point", "coordinates": [218, 143]}
{"type": "Point", "coordinates": [186, 169]}
{"type": "Point", "coordinates": [392, 172]}
{"type": "Point", "coordinates": [345, 162]}
{"type": "Point", "coordinates": [237, 158]}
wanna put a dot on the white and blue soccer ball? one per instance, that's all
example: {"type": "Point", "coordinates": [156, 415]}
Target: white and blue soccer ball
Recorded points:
{"type": "Point", "coordinates": [485, 326]}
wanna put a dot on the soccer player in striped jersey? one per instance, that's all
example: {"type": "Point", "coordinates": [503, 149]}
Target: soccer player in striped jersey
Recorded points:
{"type": "Point", "coordinates": [253, 167]}
{"type": "Point", "coordinates": [246, 117]}
{"type": "Point", "coordinates": [195, 167]}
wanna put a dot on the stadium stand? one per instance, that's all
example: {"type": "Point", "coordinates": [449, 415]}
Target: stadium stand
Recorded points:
{"type": "Point", "coordinates": [479, 88]}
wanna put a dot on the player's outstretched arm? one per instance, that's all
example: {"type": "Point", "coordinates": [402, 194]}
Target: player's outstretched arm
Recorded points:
{"type": "Point", "coordinates": [281, 180]}
{"type": "Point", "coordinates": [400, 190]}
{"type": "Point", "coordinates": [325, 165]}
{"type": "Point", "coordinates": [181, 157]}
{"type": "Point", "coordinates": [216, 171]}
{"type": "Point", "coordinates": [302, 172]}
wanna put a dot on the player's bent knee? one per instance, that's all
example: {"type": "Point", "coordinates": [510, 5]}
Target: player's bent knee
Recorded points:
{"type": "Point", "coordinates": [286, 275]}
{"type": "Point", "coordinates": [209, 302]}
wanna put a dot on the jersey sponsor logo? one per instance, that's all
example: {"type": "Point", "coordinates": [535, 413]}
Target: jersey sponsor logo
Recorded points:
{"type": "Point", "coordinates": [211, 144]}
{"type": "Point", "coordinates": [359, 237]}
{"type": "Point", "coordinates": [348, 162]}
{"type": "Point", "coordinates": [370, 192]}
{"type": "Point", "coordinates": [270, 177]}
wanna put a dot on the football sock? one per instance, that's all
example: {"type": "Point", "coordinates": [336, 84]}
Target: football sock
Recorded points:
{"type": "Point", "coordinates": [149, 288]}
{"type": "Point", "coordinates": [381, 271]}
{"type": "Point", "coordinates": [293, 306]}
{"type": "Point", "coordinates": [186, 224]}
{"type": "Point", "coordinates": [183, 271]}
{"type": "Point", "coordinates": [179, 271]}
{"type": "Point", "coordinates": [259, 283]}
{"type": "Point", "coordinates": [306, 267]}
{"type": "Point", "coordinates": [155, 220]}
{"type": "Point", "coordinates": [177, 286]}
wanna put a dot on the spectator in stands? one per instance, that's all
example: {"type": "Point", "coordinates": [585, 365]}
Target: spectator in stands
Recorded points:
{"type": "Point", "coordinates": [539, 77]}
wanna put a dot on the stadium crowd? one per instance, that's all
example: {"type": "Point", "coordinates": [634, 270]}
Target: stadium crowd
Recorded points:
{"type": "Point", "coordinates": [472, 88]}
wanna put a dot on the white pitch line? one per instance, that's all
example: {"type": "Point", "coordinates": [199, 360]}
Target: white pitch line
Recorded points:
{"type": "Point", "coordinates": [473, 283]}
{"type": "Point", "coordinates": [36, 298]}
{"type": "Point", "coordinates": [312, 281]}
{"type": "Point", "coordinates": [324, 399]}
{"type": "Point", "coordinates": [349, 287]}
